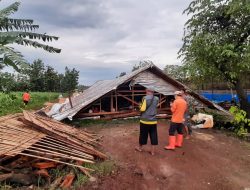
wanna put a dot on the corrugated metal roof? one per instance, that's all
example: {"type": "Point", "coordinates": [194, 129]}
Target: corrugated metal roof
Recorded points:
{"type": "Point", "coordinates": [95, 92]}
{"type": "Point", "coordinates": [164, 84]}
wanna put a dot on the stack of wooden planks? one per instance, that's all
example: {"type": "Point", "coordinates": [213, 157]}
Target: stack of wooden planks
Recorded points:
{"type": "Point", "coordinates": [39, 138]}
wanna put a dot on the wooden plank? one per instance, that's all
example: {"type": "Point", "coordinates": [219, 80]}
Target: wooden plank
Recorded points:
{"type": "Point", "coordinates": [128, 99]}
{"type": "Point", "coordinates": [71, 152]}
{"type": "Point", "coordinates": [130, 114]}
{"type": "Point", "coordinates": [43, 126]}
{"type": "Point", "coordinates": [64, 148]}
{"type": "Point", "coordinates": [75, 147]}
{"type": "Point", "coordinates": [54, 160]}
{"type": "Point", "coordinates": [97, 114]}
{"type": "Point", "coordinates": [20, 144]}
{"type": "Point", "coordinates": [160, 103]}
{"type": "Point", "coordinates": [52, 153]}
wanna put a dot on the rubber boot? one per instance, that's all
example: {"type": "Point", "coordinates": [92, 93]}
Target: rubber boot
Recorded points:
{"type": "Point", "coordinates": [171, 145]}
{"type": "Point", "coordinates": [179, 140]}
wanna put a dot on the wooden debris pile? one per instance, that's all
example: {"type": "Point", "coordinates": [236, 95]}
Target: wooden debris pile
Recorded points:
{"type": "Point", "coordinates": [32, 145]}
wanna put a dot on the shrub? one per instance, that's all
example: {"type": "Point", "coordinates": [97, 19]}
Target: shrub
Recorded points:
{"type": "Point", "coordinates": [240, 123]}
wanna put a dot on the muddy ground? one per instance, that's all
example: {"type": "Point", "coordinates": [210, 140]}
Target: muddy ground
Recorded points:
{"type": "Point", "coordinates": [210, 160]}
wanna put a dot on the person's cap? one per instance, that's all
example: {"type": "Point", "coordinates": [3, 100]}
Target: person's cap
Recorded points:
{"type": "Point", "coordinates": [178, 93]}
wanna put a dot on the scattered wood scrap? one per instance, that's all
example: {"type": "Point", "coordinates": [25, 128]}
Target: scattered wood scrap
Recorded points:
{"type": "Point", "coordinates": [32, 145]}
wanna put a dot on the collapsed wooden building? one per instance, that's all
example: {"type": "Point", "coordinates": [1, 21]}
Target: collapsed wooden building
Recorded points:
{"type": "Point", "coordinates": [31, 146]}
{"type": "Point", "coordinates": [121, 97]}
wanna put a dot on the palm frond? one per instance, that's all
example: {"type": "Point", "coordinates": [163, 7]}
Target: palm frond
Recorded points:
{"type": "Point", "coordinates": [27, 42]}
{"type": "Point", "coordinates": [29, 35]}
{"type": "Point", "coordinates": [17, 24]}
{"type": "Point", "coordinates": [7, 39]}
{"type": "Point", "coordinates": [20, 21]}
{"type": "Point", "coordinates": [13, 27]}
{"type": "Point", "coordinates": [12, 58]}
{"type": "Point", "coordinates": [9, 10]}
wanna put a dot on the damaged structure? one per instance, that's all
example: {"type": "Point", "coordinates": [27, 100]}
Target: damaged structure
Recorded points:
{"type": "Point", "coordinates": [121, 97]}
{"type": "Point", "coordinates": [31, 145]}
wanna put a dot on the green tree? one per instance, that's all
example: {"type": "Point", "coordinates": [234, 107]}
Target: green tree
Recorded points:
{"type": "Point", "coordinates": [177, 72]}
{"type": "Point", "coordinates": [51, 79]}
{"type": "Point", "coordinates": [70, 80]}
{"type": "Point", "coordinates": [216, 41]}
{"type": "Point", "coordinates": [36, 75]}
{"type": "Point", "coordinates": [19, 31]}
{"type": "Point", "coordinates": [22, 82]}
{"type": "Point", "coordinates": [7, 82]}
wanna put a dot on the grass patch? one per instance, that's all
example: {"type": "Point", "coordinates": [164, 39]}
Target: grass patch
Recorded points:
{"type": "Point", "coordinates": [80, 180]}
{"type": "Point", "coordinates": [12, 103]}
{"type": "Point", "coordinates": [5, 186]}
{"type": "Point", "coordinates": [102, 168]}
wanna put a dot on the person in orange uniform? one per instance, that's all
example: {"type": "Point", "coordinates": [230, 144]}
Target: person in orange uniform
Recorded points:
{"type": "Point", "coordinates": [26, 98]}
{"type": "Point", "coordinates": [178, 108]}
{"type": "Point", "coordinates": [148, 121]}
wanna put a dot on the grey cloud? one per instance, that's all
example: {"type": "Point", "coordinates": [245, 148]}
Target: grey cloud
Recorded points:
{"type": "Point", "coordinates": [65, 14]}
{"type": "Point", "coordinates": [102, 38]}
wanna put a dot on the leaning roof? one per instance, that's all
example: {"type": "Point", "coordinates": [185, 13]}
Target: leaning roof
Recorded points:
{"type": "Point", "coordinates": [101, 88]}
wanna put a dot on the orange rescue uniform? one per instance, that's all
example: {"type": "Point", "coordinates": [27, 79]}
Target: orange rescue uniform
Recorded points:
{"type": "Point", "coordinates": [178, 109]}
{"type": "Point", "coordinates": [26, 97]}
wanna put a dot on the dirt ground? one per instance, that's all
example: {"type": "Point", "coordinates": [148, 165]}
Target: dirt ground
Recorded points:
{"type": "Point", "coordinates": [210, 160]}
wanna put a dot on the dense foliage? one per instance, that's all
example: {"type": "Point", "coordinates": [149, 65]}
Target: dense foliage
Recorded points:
{"type": "Point", "coordinates": [240, 123]}
{"type": "Point", "coordinates": [203, 82]}
{"type": "Point", "coordinates": [216, 42]}
{"type": "Point", "coordinates": [39, 77]}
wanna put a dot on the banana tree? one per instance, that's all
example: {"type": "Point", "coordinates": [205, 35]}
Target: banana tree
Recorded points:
{"type": "Point", "coordinates": [22, 32]}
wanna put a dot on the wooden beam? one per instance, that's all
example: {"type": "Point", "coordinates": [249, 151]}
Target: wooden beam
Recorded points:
{"type": "Point", "coordinates": [142, 94]}
{"type": "Point", "coordinates": [70, 101]}
{"type": "Point", "coordinates": [95, 114]}
{"type": "Point", "coordinates": [128, 99]}
{"type": "Point", "coordinates": [121, 91]}
{"type": "Point", "coordinates": [160, 103]}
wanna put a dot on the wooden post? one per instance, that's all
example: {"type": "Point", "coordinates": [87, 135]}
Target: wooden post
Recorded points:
{"type": "Point", "coordinates": [160, 101]}
{"type": "Point", "coordinates": [70, 102]}
{"type": "Point", "coordinates": [116, 103]}
{"type": "Point", "coordinates": [133, 99]}
{"type": "Point", "coordinates": [111, 102]}
{"type": "Point", "coordinates": [100, 104]}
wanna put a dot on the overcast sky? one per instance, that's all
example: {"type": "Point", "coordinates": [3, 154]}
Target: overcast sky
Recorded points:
{"type": "Point", "coordinates": [102, 38]}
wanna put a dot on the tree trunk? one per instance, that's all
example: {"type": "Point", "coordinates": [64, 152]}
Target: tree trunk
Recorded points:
{"type": "Point", "coordinates": [242, 94]}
